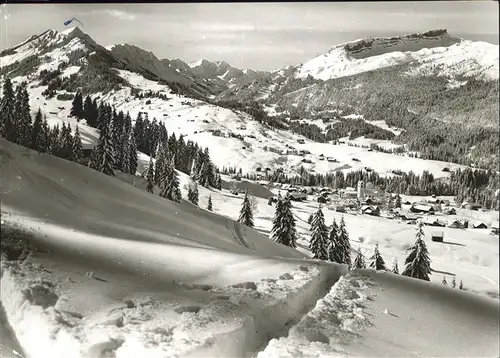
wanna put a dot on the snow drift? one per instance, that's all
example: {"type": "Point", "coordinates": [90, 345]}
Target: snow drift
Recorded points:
{"type": "Point", "coordinates": [110, 269]}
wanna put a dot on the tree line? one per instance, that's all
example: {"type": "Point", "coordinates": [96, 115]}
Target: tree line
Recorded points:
{"type": "Point", "coordinates": [474, 184]}
{"type": "Point", "coordinates": [118, 144]}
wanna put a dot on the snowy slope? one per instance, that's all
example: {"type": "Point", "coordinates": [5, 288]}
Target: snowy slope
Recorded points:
{"type": "Point", "coordinates": [429, 50]}
{"type": "Point", "coordinates": [98, 241]}
{"type": "Point", "coordinates": [186, 116]}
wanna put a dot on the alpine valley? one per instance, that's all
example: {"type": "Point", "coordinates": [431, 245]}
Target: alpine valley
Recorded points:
{"type": "Point", "coordinates": [162, 208]}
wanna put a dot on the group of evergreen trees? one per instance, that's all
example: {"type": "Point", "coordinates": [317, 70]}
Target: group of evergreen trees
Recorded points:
{"type": "Point", "coordinates": [18, 126]}
{"type": "Point", "coordinates": [118, 144]}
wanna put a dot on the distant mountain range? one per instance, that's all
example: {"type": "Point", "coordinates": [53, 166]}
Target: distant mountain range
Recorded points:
{"type": "Point", "coordinates": [427, 84]}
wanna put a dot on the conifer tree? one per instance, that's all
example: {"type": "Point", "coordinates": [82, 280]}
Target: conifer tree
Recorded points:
{"type": "Point", "coordinates": [246, 213]}
{"type": "Point", "coordinates": [444, 282]}
{"type": "Point", "coordinates": [284, 231]}
{"type": "Point", "coordinates": [319, 237]}
{"type": "Point", "coordinates": [310, 219]}
{"type": "Point", "coordinates": [7, 111]}
{"type": "Point", "coordinates": [210, 207]}
{"type": "Point", "coordinates": [395, 268]}
{"type": "Point", "coordinates": [132, 152]}
{"type": "Point", "coordinates": [219, 182]}
{"type": "Point", "coordinates": [193, 194]}
{"type": "Point", "coordinates": [77, 148]}
{"type": "Point", "coordinates": [376, 261]}
{"type": "Point", "coordinates": [44, 137]}
{"type": "Point", "coordinates": [77, 106]}
{"type": "Point", "coordinates": [418, 262]}
{"type": "Point", "coordinates": [170, 184]}
{"type": "Point", "coordinates": [453, 282]}
{"type": "Point", "coordinates": [66, 143]}
{"type": "Point", "coordinates": [359, 261]}
{"type": "Point", "coordinates": [105, 151]}
{"type": "Point", "coordinates": [335, 251]}
{"type": "Point", "coordinates": [23, 116]}
{"type": "Point", "coordinates": [461, 286]}
{"type": "Point", "coordinates": [36, 134]}
{"type": "Point", "coordinates": [343, 239]}
{"type": "Point", "coordinates": [150, 176]}
{"type": "Point", "coordinates": [161, 156]}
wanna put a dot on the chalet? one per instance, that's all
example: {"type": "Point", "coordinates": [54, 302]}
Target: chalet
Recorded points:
{"type": "Point", "coordinates": [435, 201]}
{"type": "Point", "coordinates": [422, 209]}
{"type": "Point", "coordinates": [456, 225]}
{"type": "Point", "coordinates": [301, 141]}
{"type": "Point", "coordinates": [268, 169]}
{"type": "Point", "coordinates": [296, 196]}
{"type": "Point", "coordinates": [408, 217]}
{"type": "Point", "coordinates": [368, 169]}
{"type": "Point", "coordinates": [331, 160]}
{"type": "Point", "coordinates": [322, 200]}
{"type": "Point", "coordinates": [406, 202]}
{"type": "Point", "coordinates": [437, 236]}
{"type": "Point", "coordinates": [479, 225]}
{"type": "Point", "coordinates": [494, 227]}
{"type": "Point", "coordinates": [258, 169]}
{"type": "Point", "coordinates": [370, 210]}
{"type": "Point", "coordinates": [451, 211]}
{"type": "Point", "coordinates": [446, 169]}
{"type": "Point", "coordinates": [321, 158]}
{"type": "Point", "coordinates": [368, 201]}
{"type": "Point", "coordinates": [434, 222]}
{"type": "Point", "coordinates": [471, 206]}
{"type": "Point", "coordinates": [356, 159]}
{"type": "Point", "coordinates": [263, 182]}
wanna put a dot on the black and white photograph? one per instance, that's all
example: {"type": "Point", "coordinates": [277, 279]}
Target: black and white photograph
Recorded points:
{"type": "Point", "coordinates": [249, 179]}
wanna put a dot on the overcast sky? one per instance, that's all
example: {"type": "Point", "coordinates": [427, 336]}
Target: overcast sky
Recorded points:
{"type": "Point", "coordinates": [250, 35]}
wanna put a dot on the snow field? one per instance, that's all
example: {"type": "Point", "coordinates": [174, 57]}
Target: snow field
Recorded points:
{"type": "Point", "coordinates": [229, 321]}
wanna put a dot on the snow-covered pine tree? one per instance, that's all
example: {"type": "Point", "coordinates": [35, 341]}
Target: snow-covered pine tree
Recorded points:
{"type": "Point", "coordinates": [418, 264]}
{"type": "Point", "coordinates": [67, 143]}
{"type": "Point", "coordinates": [77, 106]}
{"type": "Point", "coordinates": [343, 239]}
{"type": "Point", "coordinates": [284, 231]}
{"type": "Point", "coordinates": [310, 220]}
{"type": "Point", "coordinates": [105, 151]}
{"type": "Point", "coordinates": [461, 286]}
{"type": "Point", "coordinates": [193, 194]}
{"type": "Point", "coordinates": [444, 282]}
{"type": "Point", "coordinates": [209, 206]}
{"type": "Point", "coordinates": [161, 157]}
{"type": "Point", "coordinates": [24, 120]}
{"type": "Point", "coordinates": [55, 144]}
{"type": "Point", "coordinates": [359, 260]}
{"type": "Point", "coordinates": [7, 111]}
{"type": "Point", "coordinates": [44, 146]}
{"type": "Point", "coordinates": [453, 282]}
{"type": "Point", "coordinates": [395, 268]}
{"type": "Point", "coordinates": [335, 251]}
{"type": "Point", "coordinates": [77, 148]}
{"type": "Point", "coordinates": [132, 151]}
{"type": "Point", "coordinates": [150, 176]}
{"type": "Point", "coordinates": [290, 222]}
{"type": "Point", "coordinates": [170, 189]}
{"type": "Point", "coordinates": [376, 261]}
{"type": "Point", "coordinates": [319, 237]}
{"type": "Point", "coordinates": [36, 134]}
{"type": "Point", "coordinates": [218, 184]}
{"type": "Point", "coordinates": [246, 213]}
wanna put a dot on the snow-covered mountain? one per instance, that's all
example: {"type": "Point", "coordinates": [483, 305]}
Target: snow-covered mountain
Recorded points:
{"type": "Point", "coordinates": [433, 48]}
{"type": "Point", "coordinates": [421, 76]}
